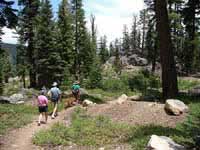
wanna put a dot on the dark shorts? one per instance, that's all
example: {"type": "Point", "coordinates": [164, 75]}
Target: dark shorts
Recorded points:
{"type": "Point", "coordinates": [43, 109]}
{"type": "Point", "coordinates": [55, 100]}
{"type": "Point", "coordinates": [75, 92]}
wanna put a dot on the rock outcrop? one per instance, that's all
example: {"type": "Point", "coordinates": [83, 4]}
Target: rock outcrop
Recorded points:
{"type": "Point", "coordinates": [163, 143]}
{"type": "Point", "coordinates": [175, 107]}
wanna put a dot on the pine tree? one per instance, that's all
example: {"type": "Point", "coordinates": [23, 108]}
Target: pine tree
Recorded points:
{"type": "Point", "coordinates": [7, 67]}
{"type": "Point", "coordinates": [65, 35]}
{"type": "Point", "coordinates": [8, 19]}
{"type": "Point", "coordinates": [95, 76]}
{"type": "Point", "coordinates": [138, 41]}
{"type": "Point", "coordinates": [144, 18]}
{"type": "Point", "coordinates": [192, 22]}
{"type": "Point", "coordinates": [152, 44]}
{"type": "Point", "coordinates": [22, 61]}
{"type": "Point", "coordinates": [87, 56]}
{"type": "Point", "coordinates": [8, 16]}
{"type": "Point", "coordinates": [117, 61]}
{"type": "Point", "coordinates": [126, 41]}
{"type": "Point", "coordinates": [133, 35]}
{"type": "Point", "coordinates": [111, 49]}
{"type": "Point", "coordinates": [50, 65]}
{"type": "Point", "coordinates": [80, 39]}
{"type": "Point", "coordinates": [103, 51]}
{"type": "Point", "coordinates": [94, 34]}
{"type": "Point", "coordinates": [177, 29]}
{"type": "Point", "coordinates": [28, 16]}
{"type": "Point", "coordinates": [169, 76]}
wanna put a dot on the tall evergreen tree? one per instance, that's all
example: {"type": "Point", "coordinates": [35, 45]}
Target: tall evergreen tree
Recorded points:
{"type": "Point", "coordinates": [111, 49]}
{"type": "Point", "coordinates": [133, 35]}
{"type": "Point", "coordinates": [126, 41]}
{"type": "Point", "coordinates": [103, 51]}
{"type": "Point", "coordinates": [65, 35]}
{"type": "Point", "coordinates": [117, 61]}
{"type": "Point", "coordinates": [28, 15]}
{"type": "Point", "coordinates": [169, 76]}
{"type": "Point", "coordinates": [8, 19]}
{"type": "Point", "coordinates": [50, 65]}
{"type": "Point", "coordinates": [144, 18]}
{"type": "Point", "coordinates": [81, 39]}
{"type": "Point", "coordinates": [22, 61]}
{"type": "Point", "coordinates": [138, 41]}
{"type": "Point", "coordinates": [152, 44]}
{"type": "Point", "coordinates": [94, 33]}
{"type": "Point", "coordinates": [191, 14]}
{"type": "Point", "coordinates": [177, 28]}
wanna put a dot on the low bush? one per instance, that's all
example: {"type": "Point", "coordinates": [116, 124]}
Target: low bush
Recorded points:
{"type": "Point", "coordinates": [15, 116]}
{"type": "Point", "coordinates": [114, 85]}
{"type": "Point", "coordinates": [84, 131]}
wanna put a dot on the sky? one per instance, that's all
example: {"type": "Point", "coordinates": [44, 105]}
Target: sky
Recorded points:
{"type": "Point", "coordinates": [111, 16]}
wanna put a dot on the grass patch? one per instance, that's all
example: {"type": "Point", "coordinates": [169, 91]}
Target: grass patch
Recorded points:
{"type": "Point", "coordinates": [184, 84]}
{"type": "Point", "coordinates": [114, 94]}
{"type": "Point", "coordinates": [15, 116]}
{"type": "Point", "coordinates": [101, 131]}
{"type": "Point", "coordinates": [84, 131]}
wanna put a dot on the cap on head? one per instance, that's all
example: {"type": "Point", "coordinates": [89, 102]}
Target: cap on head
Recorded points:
{"type": "Point", "coordinates": [55, 84]}
{"type": "Point", "coordinates": [42, 92]}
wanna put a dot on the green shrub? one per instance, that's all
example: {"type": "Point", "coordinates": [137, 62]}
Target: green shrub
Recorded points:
{"type": "Point", "coordinates": [154, 81]}
{"type": "Point", "coordinates": [84, 130]}
{"type": "Point", "coordinates": [145, 72]}
{"type": "Point", "coordinates": [114, 85]}
{"type": "Point", "coordinates": [15, 116]}
{"type": "Point", "coordinates": [138, 82]}
{"type": "Point", "coordinates": [184, 84]}
{"type": "Point", "coordinates": [142, 81]}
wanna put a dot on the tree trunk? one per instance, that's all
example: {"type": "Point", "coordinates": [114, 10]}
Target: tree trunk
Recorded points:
{"type": "Point", "coordinates": [32, 71]}
{"type": "Point", "coordinates": [169, 75]}
{"type": "Point", "coordinates": [24, 79]}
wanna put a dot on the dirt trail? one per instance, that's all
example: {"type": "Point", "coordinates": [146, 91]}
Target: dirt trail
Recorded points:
{"type": "Point", "coordinates": [133, 113]}
{"type": "Point", "coordinates": [21, 139]}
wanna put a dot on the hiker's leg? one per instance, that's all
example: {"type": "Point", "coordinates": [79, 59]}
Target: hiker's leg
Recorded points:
{"type": "Point", "coordinates": [46, 117]}
{"type": "Point", "coordinates": [40, 118]}
{"type": "Point", "coordinates": [55, 109]}
{"type": "Point", "coordinates": [78, 97]}
{"type": "Point", "coordinates": [46, 114]}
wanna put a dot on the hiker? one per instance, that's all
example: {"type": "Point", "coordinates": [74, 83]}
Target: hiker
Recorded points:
{"type": "Point", "coordinates": [55, 97]}
{"type": "Point", "coordinates": [76, 91]}
{"type": "Point", "coordinates": [42, 106]}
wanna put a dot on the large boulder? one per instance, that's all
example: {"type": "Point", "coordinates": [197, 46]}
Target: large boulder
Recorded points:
{"type": "Point", "coordinates": [122, 99]}
{"type": "Point", "coordinates": [4, 99]}
{"type": "Point", "coordinates": [195, 91]}
{"type": "Point", "coordinates": [29, 93]}
{"type": "Point", "coordinates": [163, 143]}
{"type": "Point", "coordinates": [87, 102]}
{"type": "Point", "coordinates": [135, 98]}
{"type": "Point", "coordinates": [175, 107]}
{"type": "Point", "coordinates": [16, 98]}
{"type": "Point", "coordinates": [83, 92]}
{"type": "Point", "coordinates": [137, 61]}
{"type": "Point", "coordinates": [67, 94]}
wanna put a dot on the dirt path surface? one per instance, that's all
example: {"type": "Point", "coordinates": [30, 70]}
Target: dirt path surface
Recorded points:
{"type": "Point", "coordinates": [130, 112]}
{"type": "Point", "coordinates": [137, 113]}
{"type": "Point", "coordinates": [21, 139]}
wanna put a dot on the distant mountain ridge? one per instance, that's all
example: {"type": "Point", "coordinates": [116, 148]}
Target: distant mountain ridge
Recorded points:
{"type": "Point", "coordinates": [12, 51]}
